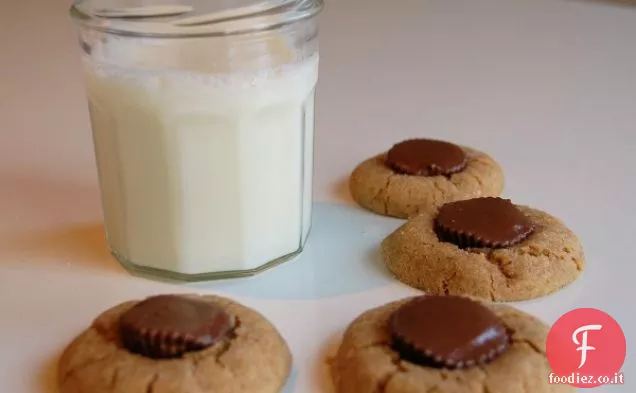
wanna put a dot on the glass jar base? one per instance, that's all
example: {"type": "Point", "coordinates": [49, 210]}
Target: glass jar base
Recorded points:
{"type": "Point", "coordinates": [166, 275]}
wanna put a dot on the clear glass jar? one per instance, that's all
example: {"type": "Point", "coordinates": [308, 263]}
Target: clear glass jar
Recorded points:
{"type": "Point", "coordinates": [203, 124]}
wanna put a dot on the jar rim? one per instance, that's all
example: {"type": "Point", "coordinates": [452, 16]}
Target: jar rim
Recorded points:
{"type": "Point", "coordinates": [180, 21]}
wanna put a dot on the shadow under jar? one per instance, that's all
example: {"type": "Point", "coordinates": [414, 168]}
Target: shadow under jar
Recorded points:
{"type": "Point", "coordinates": [203, 125]}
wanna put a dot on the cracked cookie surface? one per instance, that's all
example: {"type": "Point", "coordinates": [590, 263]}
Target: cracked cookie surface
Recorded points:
{"type": "Point", "coordinates": [546, 261]}
{"type": "Point", "coordinates": [367, 363]}
{"type": "Point", "coordinates": [378, 188]}
{"type": "Point", "coordinates": [254, 359]}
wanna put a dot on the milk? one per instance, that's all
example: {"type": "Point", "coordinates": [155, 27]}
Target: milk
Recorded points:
{"type": "Point", "coordinates": [203, 173]}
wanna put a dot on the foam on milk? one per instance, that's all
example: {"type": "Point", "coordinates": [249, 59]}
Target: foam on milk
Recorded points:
{"type": "Point", "coordinates": [201, 172]}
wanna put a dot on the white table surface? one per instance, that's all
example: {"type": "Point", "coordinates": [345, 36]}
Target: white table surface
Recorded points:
{"type": "Point", "coordinates": [546, 86]}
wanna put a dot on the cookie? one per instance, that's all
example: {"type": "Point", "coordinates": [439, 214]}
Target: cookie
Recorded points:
{"type": "Point", "coordinates": [487, 248]}
{"type": "Point", "coordinates": [176, 344]}
{"type": "Point", "coordinates": [506, 349]}
{"type": "Point", "coordinates": [419, 175]}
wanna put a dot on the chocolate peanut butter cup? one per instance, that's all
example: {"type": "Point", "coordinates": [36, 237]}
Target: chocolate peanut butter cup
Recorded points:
{"type": "Point", "coordinates": [447, 332]}
{"type": "Point", "coordinates": [167, 326]}
{"type": "Point", "coordinates": [426, 157]}
{"type": "Point", "coordinates": [482, 222]}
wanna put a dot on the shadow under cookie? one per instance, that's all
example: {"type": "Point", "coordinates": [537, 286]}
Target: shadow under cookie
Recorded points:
{"type": "Point", "coordinates": [367, 361]}
{"type": "Point", "coordinates": [380, 189]}
{"type": "Point", "coordinates": [550, 258]}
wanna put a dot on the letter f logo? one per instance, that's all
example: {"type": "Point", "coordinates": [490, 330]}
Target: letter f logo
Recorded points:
{"type": "Point", "coordinates": [583, 344]}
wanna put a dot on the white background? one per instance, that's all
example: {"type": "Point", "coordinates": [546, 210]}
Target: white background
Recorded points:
{"type": "Point", "coordinates": [548, 87]}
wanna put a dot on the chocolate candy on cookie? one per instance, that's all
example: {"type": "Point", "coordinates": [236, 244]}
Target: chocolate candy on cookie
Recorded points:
{"type": "Point", "coordinates": [426, 157]}
{"type": "Point", "coordinates": [167, 326]}
{"type": "Point", "coordinates": [447, 331]}
{"type": "Point", "coordinates": [482, 222]}
{"type": "Point", "coordinates": [418, 175]}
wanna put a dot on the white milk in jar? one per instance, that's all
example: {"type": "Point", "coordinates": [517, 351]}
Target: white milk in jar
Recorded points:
{"type": "Point", "coordinates": [202, 172]}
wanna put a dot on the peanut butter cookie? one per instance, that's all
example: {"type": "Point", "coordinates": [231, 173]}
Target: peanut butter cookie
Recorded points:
{"type": "Point", "coordinates": [421, 174]}
{"type": "Point", "coordinates": [487, 248]}
{"type": "Point", "coordinates": [176, 344]}
{"type": "Point", "coordinates": [444, 344]}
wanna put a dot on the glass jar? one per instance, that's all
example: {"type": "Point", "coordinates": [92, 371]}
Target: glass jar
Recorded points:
{"type": "Point", "coordinates": [203, 124]}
